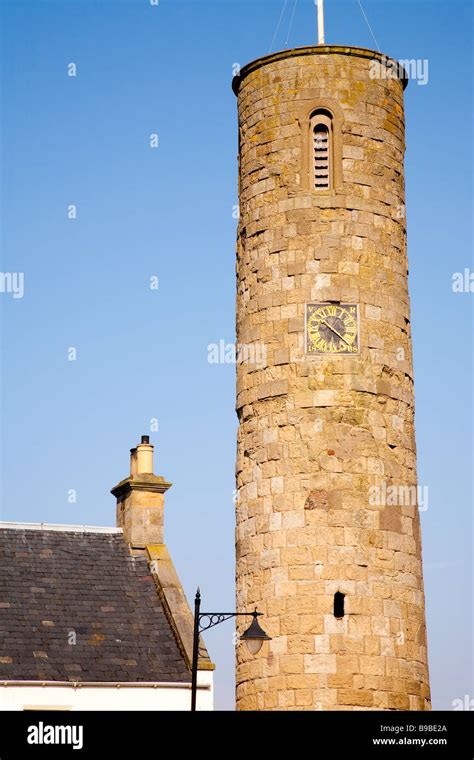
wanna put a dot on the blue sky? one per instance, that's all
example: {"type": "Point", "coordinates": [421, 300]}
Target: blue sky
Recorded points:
{"type": "Point", "coordinates": [167, 212]}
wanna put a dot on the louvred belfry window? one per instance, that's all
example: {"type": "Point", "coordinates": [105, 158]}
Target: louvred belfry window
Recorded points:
{"type": "Point", "coordinates": [321, 150]}
{"type": "Point", "coordinates": [321, 155]}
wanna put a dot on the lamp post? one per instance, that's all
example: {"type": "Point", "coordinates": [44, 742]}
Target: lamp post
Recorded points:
{"type": "Point", "coordinates": [254, 636]}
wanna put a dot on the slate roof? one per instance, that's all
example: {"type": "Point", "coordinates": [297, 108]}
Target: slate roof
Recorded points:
{"type": "Point", "coordinates": [57, 586]}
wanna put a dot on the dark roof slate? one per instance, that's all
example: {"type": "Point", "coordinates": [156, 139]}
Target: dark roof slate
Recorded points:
{"type": "Point", "coordinates": [61, 587]}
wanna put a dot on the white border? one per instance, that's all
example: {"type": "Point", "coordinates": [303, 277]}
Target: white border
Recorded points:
{"type": "Point", "coordinates": [58, 527]}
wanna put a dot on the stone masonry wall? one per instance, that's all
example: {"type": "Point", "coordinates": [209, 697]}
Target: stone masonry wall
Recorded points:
{"type": "Point", "coordinates": [316, 432]}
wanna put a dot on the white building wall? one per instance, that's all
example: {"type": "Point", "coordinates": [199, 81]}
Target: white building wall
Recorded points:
{"type": "Point", "coordinates": [107, 697]}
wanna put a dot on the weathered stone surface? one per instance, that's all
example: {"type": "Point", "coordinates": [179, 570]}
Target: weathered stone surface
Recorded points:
{"type": "Point", "coordinates": [321, 437]}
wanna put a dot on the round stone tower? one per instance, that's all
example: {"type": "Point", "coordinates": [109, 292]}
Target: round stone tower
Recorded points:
{"type": "Point", "coordinates": [328, 530]}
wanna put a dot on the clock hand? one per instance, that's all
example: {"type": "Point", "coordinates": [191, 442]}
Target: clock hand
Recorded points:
{"type": "Point", "coordinates": [335, 331]}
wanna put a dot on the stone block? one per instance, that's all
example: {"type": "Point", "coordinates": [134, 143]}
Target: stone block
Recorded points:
{"type": "Point", "coordinates": [320, 663]}
{"type": "Point", "coordinates": [355, 698]}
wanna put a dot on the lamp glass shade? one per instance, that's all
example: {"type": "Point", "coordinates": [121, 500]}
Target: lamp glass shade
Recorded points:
{"type": "Point", "coordinates": [254, 636]}
{"type": "Point", "coordinates": [254, 645]}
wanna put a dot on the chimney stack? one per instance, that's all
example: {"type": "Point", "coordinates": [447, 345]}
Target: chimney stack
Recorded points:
{"type": "Point", "coordinates": [140, 499]}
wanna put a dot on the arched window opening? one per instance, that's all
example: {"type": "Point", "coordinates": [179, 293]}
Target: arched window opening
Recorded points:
{"type": "Point", "coordinates": [338, 605]}
{"type": "Point", "coordinates": [321, 149]}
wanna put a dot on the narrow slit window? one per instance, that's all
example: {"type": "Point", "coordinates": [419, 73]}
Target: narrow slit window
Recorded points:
{"type": "Point", "coordinates": [321, 155]}
{"type": "Point", "coordinates": [321, 150]}
{"type": "Point", "coordinates": [338, 605]}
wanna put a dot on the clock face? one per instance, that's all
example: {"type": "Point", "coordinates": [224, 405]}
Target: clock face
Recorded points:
{"type": "Point", "coordinates": [332, 328]}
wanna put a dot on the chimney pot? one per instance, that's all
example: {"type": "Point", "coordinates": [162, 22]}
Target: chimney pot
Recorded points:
{"type": "Point", "coordinates": [133, 462]}
{"type": "Point", "coordinates": [144, 456]}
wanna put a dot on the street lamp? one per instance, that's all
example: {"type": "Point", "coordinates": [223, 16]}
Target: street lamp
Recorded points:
{"type": "Point", "coordinates": [254, 636]}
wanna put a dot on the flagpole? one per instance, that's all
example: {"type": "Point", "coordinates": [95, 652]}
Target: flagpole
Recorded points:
{"type": "Point", "coordinates": [320, 4]}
